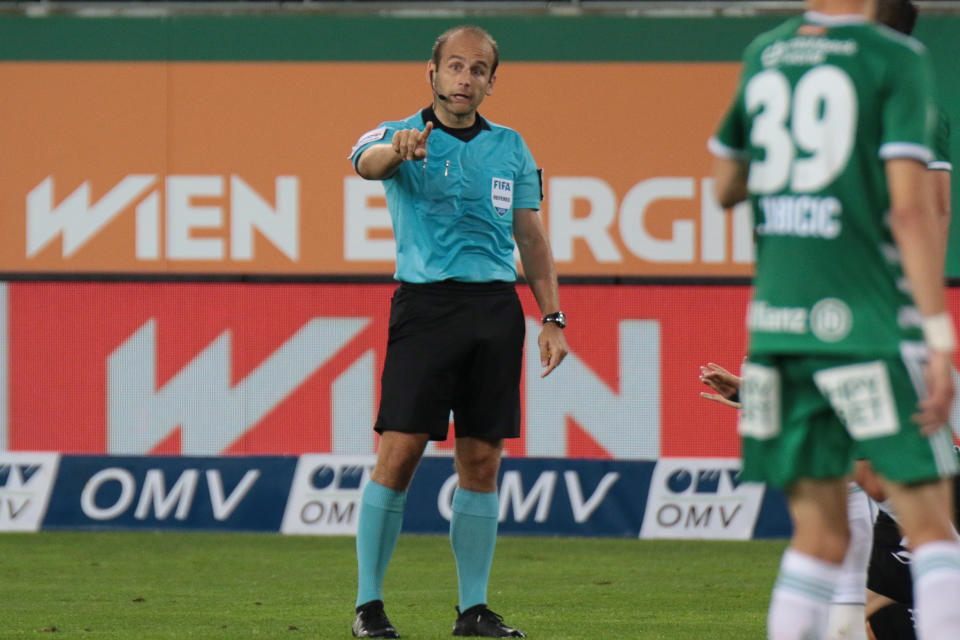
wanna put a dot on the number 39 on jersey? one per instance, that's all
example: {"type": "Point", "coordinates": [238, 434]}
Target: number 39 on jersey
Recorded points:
{"type": "Point", "coordinates": [808, 153]}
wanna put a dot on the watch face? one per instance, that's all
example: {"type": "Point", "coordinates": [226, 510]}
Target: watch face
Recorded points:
{"type": "Point", "coordinates": [557, 318]}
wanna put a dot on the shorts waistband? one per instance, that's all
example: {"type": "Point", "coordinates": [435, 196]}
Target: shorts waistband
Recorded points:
{"type": "Point", "coordinates": [497, 287]}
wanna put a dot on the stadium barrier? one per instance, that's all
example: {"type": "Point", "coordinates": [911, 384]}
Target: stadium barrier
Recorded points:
{"type": "Point", "coordinates": [698, 498]}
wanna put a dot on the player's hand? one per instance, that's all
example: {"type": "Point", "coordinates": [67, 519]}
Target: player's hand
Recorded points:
{"type": "Point", "coordinates": [722, 381]}
{"type": "Point", "coordinates": [934, 409]}
{"type": "Point", "coordinates": [411, 144]}
{"type": "Point", "coordinates": [553, 347]}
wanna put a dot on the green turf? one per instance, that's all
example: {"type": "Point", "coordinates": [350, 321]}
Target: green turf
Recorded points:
{"type": "Point", "coordinates": [195, 585]}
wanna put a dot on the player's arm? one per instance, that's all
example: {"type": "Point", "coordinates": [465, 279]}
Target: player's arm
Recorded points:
{"type": "Point", "coordinates": [941, 202]}
{"type": "Point", "coordinates": [728, 145]}
{"type": "Point", "coordinates": [915, 226]}
{"type": "Point", "coordinates": [730, 180]}
{"type": "Point", "coordinates": [379, 161]}
{"type": "Point", "coordinates": [541, 274]}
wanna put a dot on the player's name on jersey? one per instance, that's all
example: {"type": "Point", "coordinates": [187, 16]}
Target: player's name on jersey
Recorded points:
{"type": "Point", "coordinates": [800, 216]}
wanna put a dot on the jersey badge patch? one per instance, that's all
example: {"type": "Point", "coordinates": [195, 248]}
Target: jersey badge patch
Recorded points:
{"type": "Point", "coordinates": [501, 195]}
{"type": "Point", "coordinates": [369, 136]}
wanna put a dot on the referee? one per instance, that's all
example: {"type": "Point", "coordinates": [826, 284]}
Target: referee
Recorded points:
{"type": "Point", "coordinates": [460, 189]}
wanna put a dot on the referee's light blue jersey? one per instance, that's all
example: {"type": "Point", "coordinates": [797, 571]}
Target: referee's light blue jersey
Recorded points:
{"type": "Point", "coordinates": [453, 213]}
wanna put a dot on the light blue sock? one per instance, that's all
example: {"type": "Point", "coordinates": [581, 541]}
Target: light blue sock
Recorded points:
{"type": "Point", "coordinates": [378, 527]}
{"type": "Point", "coordinates": [473, 536]}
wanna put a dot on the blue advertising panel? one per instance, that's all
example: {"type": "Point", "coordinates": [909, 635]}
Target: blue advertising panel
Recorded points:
{"type": "Point", "coordinates": [542, 496]}
{"type": "Point", "coordinates": [241, 494]}
{"type": "Point", "coordinates": [320, 494]}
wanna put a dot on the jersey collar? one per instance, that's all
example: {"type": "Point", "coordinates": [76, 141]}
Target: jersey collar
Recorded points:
{"type": "Point", "coordinates": [466, 135]}
{"type": "Point", "coordinates": [830, 20]}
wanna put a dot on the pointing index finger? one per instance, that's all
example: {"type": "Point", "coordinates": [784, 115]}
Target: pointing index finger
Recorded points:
{"type": "Point", "coordinates": [426, 132]}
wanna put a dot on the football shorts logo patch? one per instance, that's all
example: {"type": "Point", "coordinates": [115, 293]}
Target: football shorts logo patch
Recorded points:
{"type": "Point", "coordinates": [501, 195]}
{"type": "Point", "coordinates": [862, 397]}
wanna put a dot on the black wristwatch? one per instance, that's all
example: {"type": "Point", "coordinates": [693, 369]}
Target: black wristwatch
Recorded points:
{"type": "Point", "coordinates": [558, 318]}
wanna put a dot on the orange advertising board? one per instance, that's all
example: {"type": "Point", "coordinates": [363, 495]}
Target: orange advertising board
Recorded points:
{"type": "Point", "coordinates": [238, 168]}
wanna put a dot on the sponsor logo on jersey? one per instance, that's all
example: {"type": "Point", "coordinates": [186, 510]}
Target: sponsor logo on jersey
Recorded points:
{"type": "Point", "coordinates": [805, 50]}
{"type": "Point", "coordinates": [763, 317]}
{"type": "Point", "coordinates": [831, 320]}
{"type": "Point", "coordinates": [501, 195]}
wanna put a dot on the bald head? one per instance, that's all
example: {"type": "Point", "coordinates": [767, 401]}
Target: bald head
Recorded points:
{"type": "Point", "coordinates": [470, 29]}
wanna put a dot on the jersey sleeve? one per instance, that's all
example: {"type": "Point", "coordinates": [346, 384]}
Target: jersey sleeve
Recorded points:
{"type": "Point", "coordinates": [527, 188]}
{"type": "Point", "coordinates": [941, 144]}
{"type": "Point", "coordinates": [383, 133]}
{"type": "Point", "coordinates": [731, 138]}
{"type": "Point", "coordinates": [910, 92]}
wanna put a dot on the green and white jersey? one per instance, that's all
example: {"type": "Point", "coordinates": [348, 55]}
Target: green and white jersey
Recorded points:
{"type": "Point", "coordinates": [823, 101]}
{"type": "Point", "coordinates": [941, 144]}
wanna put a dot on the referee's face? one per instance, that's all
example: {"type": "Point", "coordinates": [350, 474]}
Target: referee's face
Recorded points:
{"type": "Point", "coordinates": [463, 76]}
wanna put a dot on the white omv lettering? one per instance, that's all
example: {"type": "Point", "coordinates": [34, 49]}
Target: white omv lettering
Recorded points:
{"type": "Point", "coordinates": [540, 496]}
{"type": "Point", "coordinates": [763, 317]}
{"type": "Point", "coordinates": [325, 494]}
{"type": "Point", "coordinates": [156, 501]}
{"type": "Point", "coordinates": [700, 498]}
{"type": "Point", "coordinates": [800, 216]}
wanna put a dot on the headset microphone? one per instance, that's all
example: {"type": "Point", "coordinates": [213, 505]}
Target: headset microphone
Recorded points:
{"type": "Point", "coordinates": [434, 87]}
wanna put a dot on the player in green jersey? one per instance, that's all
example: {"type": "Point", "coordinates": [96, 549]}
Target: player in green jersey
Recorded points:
{"type": "Point", "coordinates": [829, 137]}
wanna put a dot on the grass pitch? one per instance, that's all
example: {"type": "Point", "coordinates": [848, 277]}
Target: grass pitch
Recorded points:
{"type": "Point", "coordinates": [237, 586]}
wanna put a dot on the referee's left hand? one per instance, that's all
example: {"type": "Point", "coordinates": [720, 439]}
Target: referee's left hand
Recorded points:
{"type": "Point", "coordinates": [553, 347]}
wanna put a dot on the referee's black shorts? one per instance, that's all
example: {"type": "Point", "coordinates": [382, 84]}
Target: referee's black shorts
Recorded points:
{"type": "Point", "coordinates": [453, 346]}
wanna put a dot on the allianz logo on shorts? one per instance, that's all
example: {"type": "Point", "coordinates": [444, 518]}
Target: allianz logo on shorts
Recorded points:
{"type": "Point", "coordinates": [501, 195]}
{"type": "Point", "coordinates": [829, 319]}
